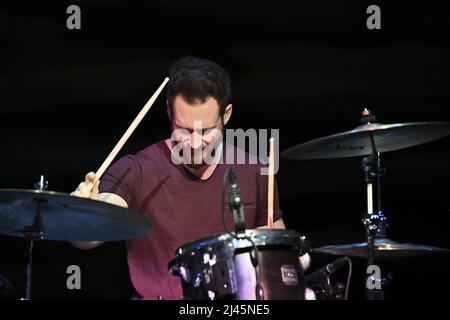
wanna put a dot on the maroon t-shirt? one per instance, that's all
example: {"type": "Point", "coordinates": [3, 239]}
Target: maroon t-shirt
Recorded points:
{"type": "Point", "coordinates": [182, 208]}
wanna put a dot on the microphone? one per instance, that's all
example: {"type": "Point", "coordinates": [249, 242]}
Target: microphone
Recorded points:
{"type": "Point", "coordinates": [318, 276]}
{"type": "Point", "coordinates": [236, 205]}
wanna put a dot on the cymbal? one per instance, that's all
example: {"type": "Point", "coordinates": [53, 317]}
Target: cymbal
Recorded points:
{"type": "Point", "coordinates": [384, 249]}
{"type": "Point", "coordinates": [357, 142]}
{"type": "Point", "coordinates": [68, 218]}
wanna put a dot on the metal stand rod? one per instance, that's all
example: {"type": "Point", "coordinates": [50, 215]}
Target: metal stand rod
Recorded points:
{"type": "Point", "coordinates": [369, 198]}
{"type": "Point", "coordinates": [33, 233]}
{"type": "Point", "coordinates": [379, 182]}
{"type": "Point", "coordinates": [369, 235]}
{"type": "Point", "coordinates": [29, 272]}
{"type": "Point", "coordinates": [374, 220]}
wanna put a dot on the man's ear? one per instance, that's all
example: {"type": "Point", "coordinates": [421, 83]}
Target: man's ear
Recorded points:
{"type": "Point", "coordinates": [169, 112]}
{"type": "Point", "coordinates": [227, 114]}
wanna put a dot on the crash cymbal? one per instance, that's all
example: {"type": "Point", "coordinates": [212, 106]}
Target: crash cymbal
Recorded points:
{"type": "Point", "coordinates": [68, 218]}
{"type": "Point", "coordinates": [357, 142]}
{"type": "Point", "coordinates": [384, 249]}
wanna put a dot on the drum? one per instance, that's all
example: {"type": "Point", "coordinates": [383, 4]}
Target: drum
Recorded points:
{"type": "Point", "coordinates": [263, 265]}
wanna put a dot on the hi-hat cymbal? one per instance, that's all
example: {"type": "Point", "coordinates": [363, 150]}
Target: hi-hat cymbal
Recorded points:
{"type": "Point", "coordinates": [357, 142]}
{"type": "Point", "coordinates": [68, 218]}
{"type": "Point", "coordinates": [384, 249]}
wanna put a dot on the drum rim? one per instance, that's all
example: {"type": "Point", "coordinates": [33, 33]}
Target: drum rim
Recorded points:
{"type": "Point", "coordinates": [261, 237]}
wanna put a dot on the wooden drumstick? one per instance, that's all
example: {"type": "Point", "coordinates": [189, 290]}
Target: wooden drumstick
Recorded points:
{"type": "Point", "coordinates": [127, 134]}
{"type": "Point", "coordinates": [270, 185]}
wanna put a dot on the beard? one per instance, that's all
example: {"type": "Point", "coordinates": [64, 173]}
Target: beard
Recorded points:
{"type": "Point", "coordinates": [195, 166]}
{"type": "Point", "coordinates": [198, 156]}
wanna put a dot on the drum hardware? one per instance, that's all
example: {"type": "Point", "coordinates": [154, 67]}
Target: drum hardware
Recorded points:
{"type": "Point", "coordinates": [37, 215]}
{"type": "Point", "coordinates": [320, 282]}
{"type": "Point", "coordinates": [357, 142]}
{"type": "Point", "coordinates": [220, 267]}
{"type": "Point", "coordinates": [370, 140]}
{"type": "Point", "coordinates": [32, 233]}
{"type": "Point", "coordinates": [374, 221]}
{"type": "Point", "coordinates": [326, 291]}
{"type": "Point", "coordinates": [67, 218]}
{"type": "Point", "coordinates": [386, 250]}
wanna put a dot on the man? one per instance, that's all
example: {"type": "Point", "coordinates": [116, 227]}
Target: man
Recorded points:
{"type": "Point", "coordinates": [182, 201]}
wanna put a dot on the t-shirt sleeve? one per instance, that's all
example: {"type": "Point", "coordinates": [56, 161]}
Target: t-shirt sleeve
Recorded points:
{"type": "Point", "coordinates": [121, 179]}
{"type": "Point", "coordinates": [261, 218]}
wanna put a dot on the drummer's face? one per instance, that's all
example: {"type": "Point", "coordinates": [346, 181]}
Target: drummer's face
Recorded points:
{"type": "Point", "coordinates": [204, 117]}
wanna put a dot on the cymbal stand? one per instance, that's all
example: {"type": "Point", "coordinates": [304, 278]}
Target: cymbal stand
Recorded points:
{"type": "Point", "coordinates": [374, 221]}
{"type": "Point", "coordinates": [33, 233]}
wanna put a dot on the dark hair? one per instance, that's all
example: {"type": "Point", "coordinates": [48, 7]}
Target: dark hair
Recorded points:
{"type": "Point", "coordinates": [197, 79]}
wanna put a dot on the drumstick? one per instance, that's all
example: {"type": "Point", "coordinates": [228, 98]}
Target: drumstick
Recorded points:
{"type": "Point", "coordinates": [127, 134]}
{"type": "Point", "coordinates": [271, 185]}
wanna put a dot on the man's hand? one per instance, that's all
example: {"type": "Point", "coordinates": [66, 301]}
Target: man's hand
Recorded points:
{"type": "Point", "coordinates": [85, 189]}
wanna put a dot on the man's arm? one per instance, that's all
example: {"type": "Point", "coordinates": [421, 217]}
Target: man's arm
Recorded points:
{"type": "Point", "coordinates": [84, 191]}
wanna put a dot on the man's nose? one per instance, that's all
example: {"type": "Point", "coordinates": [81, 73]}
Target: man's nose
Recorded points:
{"type": "Point", "coordinates": [195, 140]}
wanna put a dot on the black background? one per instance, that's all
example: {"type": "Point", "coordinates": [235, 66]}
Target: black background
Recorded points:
{"type": "Point", "coordinates": [306, 68]}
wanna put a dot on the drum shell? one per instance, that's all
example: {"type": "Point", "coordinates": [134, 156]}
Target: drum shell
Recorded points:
{"type": "Point", "coordinates": [221, 267]}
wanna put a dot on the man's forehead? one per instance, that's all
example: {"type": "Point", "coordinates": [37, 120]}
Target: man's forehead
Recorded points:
{"type": "Point", "coordinates": [196, 125]}
{"type": "Point", "coordinates": [206, 113]}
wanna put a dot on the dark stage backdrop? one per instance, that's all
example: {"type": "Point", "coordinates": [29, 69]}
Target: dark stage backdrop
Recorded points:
{"type": "Point", "coordinates": [305, 67]}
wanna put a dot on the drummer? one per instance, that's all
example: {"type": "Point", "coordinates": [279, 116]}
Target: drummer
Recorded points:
{"type": "Point", "coordinates": [181, 200]}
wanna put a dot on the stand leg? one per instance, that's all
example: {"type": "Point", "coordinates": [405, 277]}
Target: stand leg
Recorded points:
{"type": "Point", "coordinates": [29, 272]}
